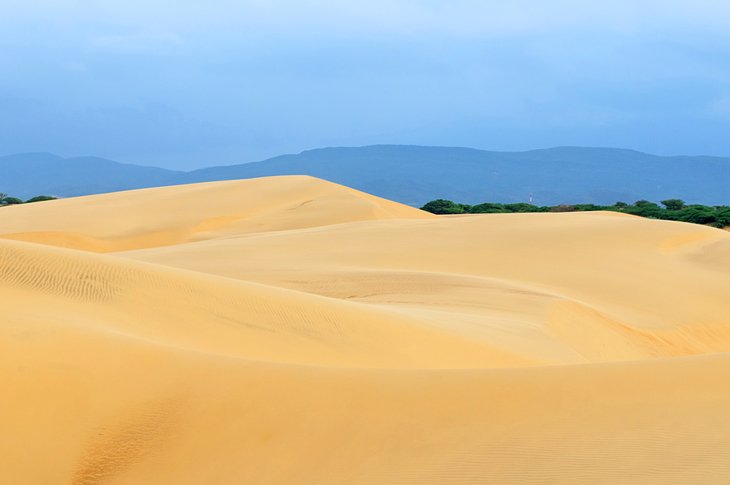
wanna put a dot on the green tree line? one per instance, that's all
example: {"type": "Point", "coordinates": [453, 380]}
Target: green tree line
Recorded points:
{"type": "Point", "coordinates": [6, 200]}
{"type": "Point", "coordinates": [670, 209]}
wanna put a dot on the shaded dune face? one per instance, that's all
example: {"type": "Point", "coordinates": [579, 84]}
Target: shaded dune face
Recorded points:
{"type": "Point", "coordinates": [289, 330]}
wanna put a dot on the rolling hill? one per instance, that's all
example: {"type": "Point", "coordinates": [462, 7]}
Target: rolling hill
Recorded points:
{"type": "Point", "coordinates": [414, 174]}
{"type": "Point", "coordinates": [29, 174]}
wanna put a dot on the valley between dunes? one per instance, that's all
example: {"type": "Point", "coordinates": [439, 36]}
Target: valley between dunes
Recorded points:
{"type": "Point", "coordinates": [291, 330]}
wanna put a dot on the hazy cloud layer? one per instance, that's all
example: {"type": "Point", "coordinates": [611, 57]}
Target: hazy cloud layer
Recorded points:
{"type": "Point", "coordinates": [188, 83]}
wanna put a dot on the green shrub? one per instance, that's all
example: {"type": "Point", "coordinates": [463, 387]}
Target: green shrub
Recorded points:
{"type": "Point", "coordinates": [444, 206]}
{"type": "Point", "coordinates": [40, 198]}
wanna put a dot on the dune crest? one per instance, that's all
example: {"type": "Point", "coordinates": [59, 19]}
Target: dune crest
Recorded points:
{"type": "Point", "coordinates": [290, 330]}
{"type": "Point", "coordinates": [172, 215]}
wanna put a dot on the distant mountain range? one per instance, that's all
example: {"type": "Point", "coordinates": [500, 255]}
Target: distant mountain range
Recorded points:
{"type": "Point", "coordinates": [413, 174]}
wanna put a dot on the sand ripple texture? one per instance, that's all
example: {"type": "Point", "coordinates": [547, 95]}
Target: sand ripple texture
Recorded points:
{"type": "Point", "coordinates": [291, 330]}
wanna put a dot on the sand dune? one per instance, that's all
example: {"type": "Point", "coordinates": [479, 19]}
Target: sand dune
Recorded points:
{"type": "Point", "coordinates": [171, 215]}
{"type": "Point", "coordinates": [560, 288]}
{"type": "Point", "coordinates": [288, 330]}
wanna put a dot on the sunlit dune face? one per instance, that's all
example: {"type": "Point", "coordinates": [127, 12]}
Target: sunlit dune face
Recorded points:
{"type": "Point", "coordinates": [290, 330]}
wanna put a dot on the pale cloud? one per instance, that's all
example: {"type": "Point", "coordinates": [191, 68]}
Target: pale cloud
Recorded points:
{"type": "Point", "coordinates": [137, 43]}
{"type": "Point", "coordinates": [720, 107]}
{"type": "Point", "coordinates": [455, 17]}
{"type": "Point", "coordinates": [282, 75]}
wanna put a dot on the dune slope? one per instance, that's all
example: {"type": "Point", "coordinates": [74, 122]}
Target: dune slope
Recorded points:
{"type": "Point", "coordinates": [288, 330]}
{"type": "Point", "coordinates": [171, 215]}
{"type": "Point", "coordinates": [560, 288]}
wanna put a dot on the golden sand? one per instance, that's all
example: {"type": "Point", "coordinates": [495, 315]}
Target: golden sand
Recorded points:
{"type": "Point", "coordinates": [290, 330]}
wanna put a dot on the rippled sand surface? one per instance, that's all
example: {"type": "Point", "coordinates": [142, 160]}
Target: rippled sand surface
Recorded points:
{"type": "Point", "coordinates": [291, 330]}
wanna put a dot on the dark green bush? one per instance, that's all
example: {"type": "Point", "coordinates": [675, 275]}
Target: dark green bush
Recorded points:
{"type": "Point", "coordinates": [674, 209]}
{"type": "Point", "coordinates": [443, 206]}
{"type": "Point", "coordinates": [40, 198]}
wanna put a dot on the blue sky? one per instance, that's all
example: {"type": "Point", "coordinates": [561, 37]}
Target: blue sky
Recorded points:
{"type": "Point", "coordinates": [190, 83]}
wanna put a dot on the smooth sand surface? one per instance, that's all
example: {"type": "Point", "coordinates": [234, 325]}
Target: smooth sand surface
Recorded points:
{"type": "Point", "coordinates": [290, 330]}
